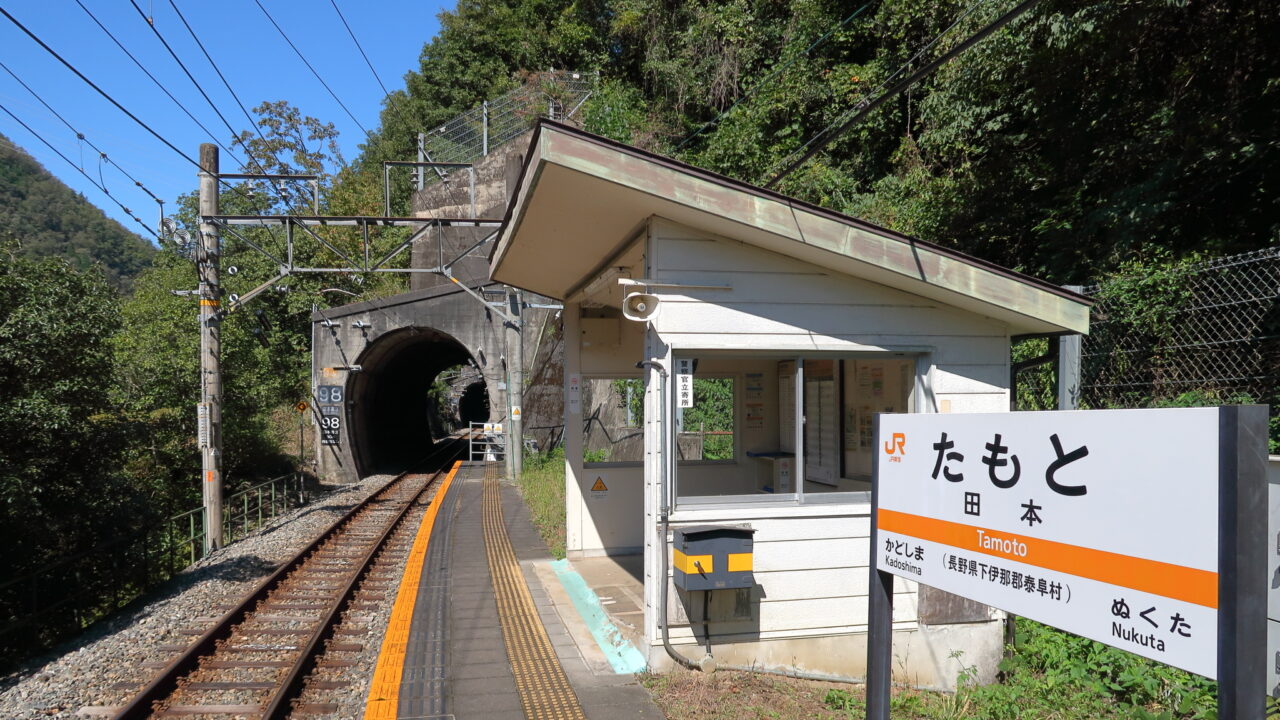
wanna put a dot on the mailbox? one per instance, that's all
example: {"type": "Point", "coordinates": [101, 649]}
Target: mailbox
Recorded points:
{"type": "Point", "coordinates": [712, 557]}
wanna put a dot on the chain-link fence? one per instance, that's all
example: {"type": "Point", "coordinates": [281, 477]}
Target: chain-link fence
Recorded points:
{"type": "Point", "coordinates": [557, 94]}
{"type": "Point", "coordinates": [1196, 334]}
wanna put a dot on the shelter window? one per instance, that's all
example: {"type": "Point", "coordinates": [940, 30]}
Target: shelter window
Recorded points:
{"type": "Point", "coordinates": [613, 419]}
{"type": "Point", "coordinates": [705, 432]}
{"type": "Point", "coordinates": [795, 429]}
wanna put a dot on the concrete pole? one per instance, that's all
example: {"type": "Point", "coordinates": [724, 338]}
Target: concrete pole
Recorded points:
{"type": "Point", "coordinates": [516, 387]}
{"type": "Point", "coordinates": [1069, 347]}
{"type": "Point", "coordinates": [210, 409]}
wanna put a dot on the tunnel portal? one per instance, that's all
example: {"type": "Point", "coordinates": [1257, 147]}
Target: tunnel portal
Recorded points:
{"type": "Point", "coordinates": [473, 406]}
{"type": "Point", "coordinates": [393, 425]}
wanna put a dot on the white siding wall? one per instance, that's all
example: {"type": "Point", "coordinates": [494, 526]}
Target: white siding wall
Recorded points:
{"type": "Point", "coordinates": [810, 562]}
{"type": "Point", "coordinates": [611, 522]}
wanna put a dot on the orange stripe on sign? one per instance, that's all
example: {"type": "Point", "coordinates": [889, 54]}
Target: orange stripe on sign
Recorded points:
{"type": "Point", "coordinates": [1149, 576]}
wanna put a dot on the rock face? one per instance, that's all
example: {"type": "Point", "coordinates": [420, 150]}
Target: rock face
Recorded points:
{"type": "Point", "coordinates": [401, 343]}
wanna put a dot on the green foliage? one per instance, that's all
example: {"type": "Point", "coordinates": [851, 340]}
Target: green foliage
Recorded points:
{"type": "Point", "coordinates": [52, 220]}
{"type": "Point", "coordinates": [712, 412]}
{"type": "Point", "coordinates": [1140, 688]}
{"type": "Point", "coordinates": [542, 485]}
{"type": "Point", "coordinates": [1053, 674]}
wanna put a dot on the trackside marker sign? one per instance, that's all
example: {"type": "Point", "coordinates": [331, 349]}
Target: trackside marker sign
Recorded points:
{"type": "Point", "coordinates": [1113, 524]}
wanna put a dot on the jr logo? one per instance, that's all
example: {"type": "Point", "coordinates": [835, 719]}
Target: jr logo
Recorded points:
{"type": "Point", "coordinates": [897, 445]}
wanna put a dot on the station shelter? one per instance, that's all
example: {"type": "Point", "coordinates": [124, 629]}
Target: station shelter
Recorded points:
{"type": "Point", "coordinates": [726, 350]}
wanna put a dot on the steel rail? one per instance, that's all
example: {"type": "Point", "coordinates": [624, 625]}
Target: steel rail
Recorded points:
{"type": "Point", "coordinates": [143, 704]}
{"type": "Point", "coordinates": [279, 706]}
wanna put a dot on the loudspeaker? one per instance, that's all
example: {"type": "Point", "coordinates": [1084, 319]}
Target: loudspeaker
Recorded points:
{"type": "Point", "coordinates": [641, 307]}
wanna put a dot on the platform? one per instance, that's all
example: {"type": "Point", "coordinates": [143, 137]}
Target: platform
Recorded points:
{"type": "Point", "coordinates": [488, 625]}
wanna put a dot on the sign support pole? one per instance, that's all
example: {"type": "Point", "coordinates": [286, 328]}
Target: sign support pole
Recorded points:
{"type": "Point", "coordinates": [210, 410]}
{"type": "Point", "coordinates": [1242, 562]}
{"type": "Point", "coordinates": [879, 609]}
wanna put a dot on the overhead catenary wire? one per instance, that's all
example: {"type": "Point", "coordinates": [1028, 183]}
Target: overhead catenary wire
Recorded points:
{"type": "Point", "coordinates": [153, 78]}
{"type": "Point", "coordinates": [183, 66]}
{"type": "Point", "coordinates": [309, 67]}
{"type": "Point", "coordinates": [860, 111]}
{"type": "Point", "coordinates": [101, 154]}
{"type": "Point", "coordinates": [253, 125]}
{"type": "Point", "coordinates": [80, 170]}
{"type": "Point", "coordinates": [99, 90]}
{"type": "Point", "coordinates": [218, 71]}
{"type": "Point", "coordinates": [234, 133]}
{"type": "Point", "coordinates": [386, 93]}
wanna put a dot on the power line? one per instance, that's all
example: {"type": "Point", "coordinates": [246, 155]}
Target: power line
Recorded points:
{"type": "Point", "coordinates": [147, 72]}
{"type": "Point", "coordinates": [769, 78]}
{"type": "Point", "coordinates": [386, 93]}
{"type": "Point", "coordinates": [187, 72]}
{"type": "Point", "coordinates": [841, 125]}
{"type": "Point", "coordinates": [312, 69]}
{"type": "Point", "coordinates": [110, 99]}
{"type": "Point", "coordinates": [79, 135]}
{"type": "Point", "coordinates": [80, 170]}
{"type": "Point", "coordinates": [99, 90]}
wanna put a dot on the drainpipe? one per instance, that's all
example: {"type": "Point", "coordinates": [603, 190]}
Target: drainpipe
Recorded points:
{"type": "Point", "coordinates": [665, 515]}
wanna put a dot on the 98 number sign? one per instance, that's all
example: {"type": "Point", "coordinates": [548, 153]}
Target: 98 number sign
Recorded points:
{"type": "Point", "coordinates": [329, 394]}
{"type": "Point", "coordinates": [329, 397]}
{"type": "Point", "coordinates": [330, 429]}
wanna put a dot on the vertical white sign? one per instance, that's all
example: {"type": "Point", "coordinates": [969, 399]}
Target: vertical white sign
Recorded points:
{"type": "Point", "coordinates": [575, 393]}
{"type": "Point", "coordinates": [684, 382]}
{"type": "Point", "coordinates": [1103, 523]}
{"type": "Point", "coordinates": [202, 424]}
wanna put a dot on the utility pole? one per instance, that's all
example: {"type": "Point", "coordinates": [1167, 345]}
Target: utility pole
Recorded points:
{"type": "Point", "coordinates": [208, 258]}
{"type": "Point", "coordinates": [515, 389]}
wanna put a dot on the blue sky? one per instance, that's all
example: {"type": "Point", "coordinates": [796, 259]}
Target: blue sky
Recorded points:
{"type": "Point", "coordinates": [250, 52]}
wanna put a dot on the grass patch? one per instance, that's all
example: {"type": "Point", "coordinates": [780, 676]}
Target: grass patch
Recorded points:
{"type": "Point", "coordinates": [1052, 675]}
{"type": "Point", "coordinates": [542, 485]}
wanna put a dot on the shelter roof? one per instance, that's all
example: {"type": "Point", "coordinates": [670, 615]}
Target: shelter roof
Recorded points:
{"type": "Point", "coordinates": [582, 199]}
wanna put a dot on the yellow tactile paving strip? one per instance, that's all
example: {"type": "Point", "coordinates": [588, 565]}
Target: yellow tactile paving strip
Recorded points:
{"type": "Point", "coordinates": [544, 689]}
{"type": "Point", "coordinates": [384, 690]}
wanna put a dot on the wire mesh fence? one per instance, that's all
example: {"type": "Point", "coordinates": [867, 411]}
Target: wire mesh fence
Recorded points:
{"type": "Point", "coordinates": [557, 94]}
{"type": "Point", "coordinates": [1196, 334]}
{"type": "Point", "coordinates": [1192, 334]}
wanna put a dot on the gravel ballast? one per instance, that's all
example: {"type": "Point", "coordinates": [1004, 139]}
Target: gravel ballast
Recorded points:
{"type": "Point", "coordinates": [105, 665]}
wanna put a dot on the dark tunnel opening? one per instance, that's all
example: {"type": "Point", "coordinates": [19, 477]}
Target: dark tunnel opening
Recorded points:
{"type": "Point", "coordinates": [473, 406]}
{"type": "Point", "coordinates": [394, 414]}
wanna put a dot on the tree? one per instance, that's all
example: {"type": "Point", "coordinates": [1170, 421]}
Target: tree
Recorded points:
{"type": "Point", "coordinates": [61, 491]}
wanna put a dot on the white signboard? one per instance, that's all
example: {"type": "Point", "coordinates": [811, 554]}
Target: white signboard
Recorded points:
{"type": "Point", "coordinates": [202, 424]}
{"type": "Point", "coordinates": [575, 393]}
{"type": "Point", "coordinates": [1102, 523]}
{"type": "Point", "coordinates": [684, 382]}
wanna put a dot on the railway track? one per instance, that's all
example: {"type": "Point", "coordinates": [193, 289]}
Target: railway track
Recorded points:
{"type": "Point", "coordinates": [256, 660]}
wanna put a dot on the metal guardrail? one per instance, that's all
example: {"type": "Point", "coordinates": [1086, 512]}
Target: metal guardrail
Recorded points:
{"type": "Point", "coordinates": [39, 608]}
{"type": "Point", "coordinates": [248, 509]}
{"type": "Point", "coordinates": [487, 443]}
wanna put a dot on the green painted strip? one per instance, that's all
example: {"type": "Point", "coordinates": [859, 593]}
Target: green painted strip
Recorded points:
{"type": "Point", "coordinates": [622, 655]}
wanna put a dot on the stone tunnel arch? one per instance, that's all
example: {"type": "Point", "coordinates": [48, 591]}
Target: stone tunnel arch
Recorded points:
{"type": "Point", "coordinates": [389, 402]}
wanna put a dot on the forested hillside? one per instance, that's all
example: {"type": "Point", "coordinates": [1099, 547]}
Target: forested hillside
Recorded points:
{"type": "Point", "coordinates": [1083, 135]}
{"type": "Point", "coordinates": [52, 220]}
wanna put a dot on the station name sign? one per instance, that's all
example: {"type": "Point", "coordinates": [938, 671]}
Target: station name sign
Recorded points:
{"type": "Point", "coordinates": [1118, 525]}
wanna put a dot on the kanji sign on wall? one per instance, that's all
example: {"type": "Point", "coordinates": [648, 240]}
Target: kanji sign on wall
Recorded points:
{"type": "Point", "coordinates": [1105, 523]}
